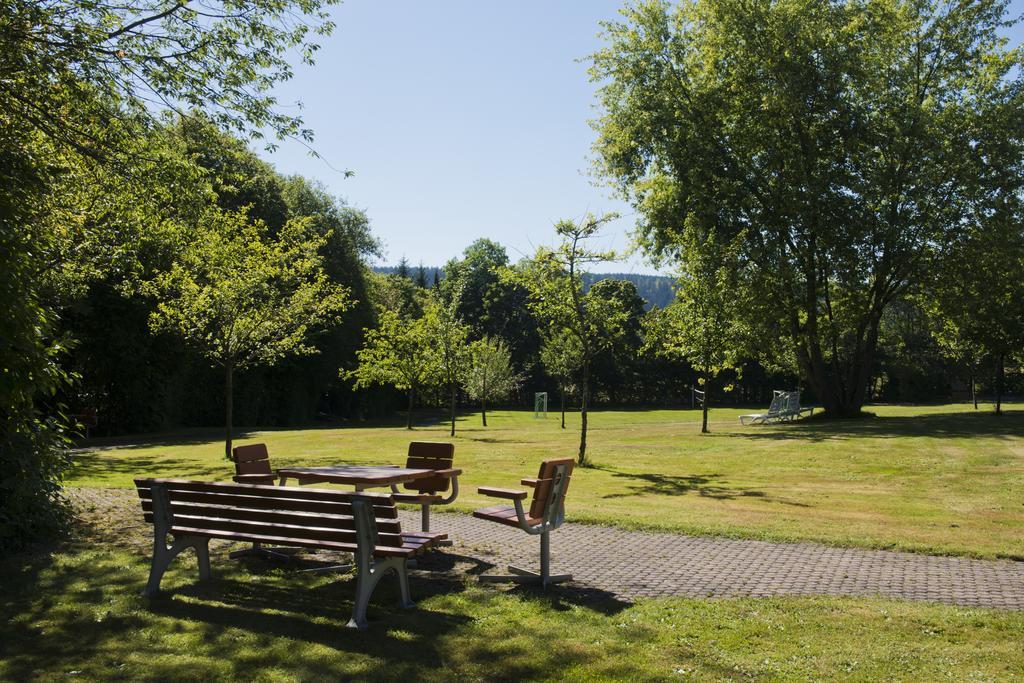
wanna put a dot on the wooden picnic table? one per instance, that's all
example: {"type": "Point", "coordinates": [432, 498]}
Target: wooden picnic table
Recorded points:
{"type": "Point", "coordinates": [359, 476]}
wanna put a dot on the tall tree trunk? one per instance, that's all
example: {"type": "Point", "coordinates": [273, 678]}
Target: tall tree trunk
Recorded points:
{"type": "Point", "coordinates": [1000, 375]}
{"type": "Point", "coordinates": [561, 393]}
{"type": "Point", "coordinates": [704, 405]}
{"type": "Point", "coordinates": [483, 400]}
{"type": "Point", "coordinates": [229, 406]}
{"type": "Point", "coordinates": [584, 398]}
{"type": "Point", "coordinates": [974, 391]}
{"type": "Point", "coordinates": [453, 407]}
{"type": "Point", "coordinates": [408, 414]}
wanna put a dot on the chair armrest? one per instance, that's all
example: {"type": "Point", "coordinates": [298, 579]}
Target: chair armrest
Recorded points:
{"type": "Point", "coordinates": [449, 473]}
{"type": "Point", "coordinates": [529, 481]}
{"type": "Point", "coordinates": [510, 494]}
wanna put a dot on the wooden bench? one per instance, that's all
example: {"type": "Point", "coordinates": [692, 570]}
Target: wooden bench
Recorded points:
{"type": "Point", "coordinates": [365, 524]}
{"type": "Point", "coordinates": [547, 512]}
{"type": "Point", "coordinates": [430, 455]}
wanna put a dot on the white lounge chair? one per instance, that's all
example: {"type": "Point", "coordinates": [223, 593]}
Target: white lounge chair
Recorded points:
{"type": "Point", "coordinates": [773, 411]}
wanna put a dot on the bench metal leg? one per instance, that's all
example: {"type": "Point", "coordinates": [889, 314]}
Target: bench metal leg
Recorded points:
{"type": "Point", "coordinates": [163, 556]}
{"type": "Point", "coordinates": [520, 575]}
{"type": "Point", "coordinates": [366, 582]}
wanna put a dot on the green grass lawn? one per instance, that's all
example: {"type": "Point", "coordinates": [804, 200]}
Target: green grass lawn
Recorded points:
{"type": "Point", "coordinates": [76, 614]}
{"type": "Point", "coordinates": [941, 479]}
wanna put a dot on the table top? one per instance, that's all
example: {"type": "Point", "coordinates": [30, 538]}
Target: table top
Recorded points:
{"type": "Point", "coordinates": [360, 475]}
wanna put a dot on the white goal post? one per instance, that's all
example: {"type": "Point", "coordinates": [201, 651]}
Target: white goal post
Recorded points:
{"type": "Point", "coordinates": [540, 404]}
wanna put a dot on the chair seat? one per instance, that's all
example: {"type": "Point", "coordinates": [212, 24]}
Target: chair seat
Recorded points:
{"type": "Point", "coordinates": [416, 498]}
{"type": "Point", "coordinates": [504, 514]}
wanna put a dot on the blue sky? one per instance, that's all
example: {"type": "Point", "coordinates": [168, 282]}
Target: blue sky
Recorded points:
{"type": "Point", "coordinates": [459, 120]}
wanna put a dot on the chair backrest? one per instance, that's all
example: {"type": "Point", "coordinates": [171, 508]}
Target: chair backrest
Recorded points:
{"type": "Point", "coordinates": [430, 455]}
{"type": "Point", "coordinates": [791, 404]}
{"type": "Point", "coordinates": [251, 459]}
{"type": "Point", "coordinates": [284, 515]}
{"type": "Point", "coordinates": [552, 485]}
{"type": "Point", "coordinates": [778, 403]}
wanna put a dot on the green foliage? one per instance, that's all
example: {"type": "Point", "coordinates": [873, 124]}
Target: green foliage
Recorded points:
{"type": "Point", "coordinates": [492, 305]}
{"type": "Point", "coordinates": [33, 430]}
{"type": "Point", "coordinates": [244, 297]}
{"type": "Point", "coordinates": [839, 142]}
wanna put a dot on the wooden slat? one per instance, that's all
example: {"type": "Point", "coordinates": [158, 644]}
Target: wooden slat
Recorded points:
{"type": "Point", "coordinates": [253, 467]}
{"type": "Point", "coordinates": [292, 492]}
{"type": "Point", "coordinates": [255, 451]}
{"type": "Point", "coordinates": [332, 521]}
{"type": "Point", "coordinates": [287, 530]}
{"type": "Point", "coordinates": [339, 507]}
{"type": "Point", "coordinates": [437, 450]}
{"type": "Point", "coordinates": [381, 550]}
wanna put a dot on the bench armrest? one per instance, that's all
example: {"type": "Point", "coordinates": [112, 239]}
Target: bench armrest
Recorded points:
{"type": "Point", "coordinates": [510, 494]}
{"type": "Point", "coordinates": [529, 481]}
{"type": "Point", "coordinates": [448, 473]}
{"type": "Point", "coordinates": [254, 478]}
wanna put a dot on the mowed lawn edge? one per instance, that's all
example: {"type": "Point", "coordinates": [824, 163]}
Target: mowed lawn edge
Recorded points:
{"type": "Point", "coordinates": [941, 479]}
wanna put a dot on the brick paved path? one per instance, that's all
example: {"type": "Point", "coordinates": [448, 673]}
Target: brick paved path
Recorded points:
{"type": "Point", "coordinates": [629, 564]}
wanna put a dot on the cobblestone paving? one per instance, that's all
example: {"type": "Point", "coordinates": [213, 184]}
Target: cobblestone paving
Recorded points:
{"type": "Point", "coordinates": [630, 564]}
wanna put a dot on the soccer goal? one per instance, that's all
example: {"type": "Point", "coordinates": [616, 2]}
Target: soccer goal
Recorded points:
{"type": "Point", "coordinates": [540, 404]}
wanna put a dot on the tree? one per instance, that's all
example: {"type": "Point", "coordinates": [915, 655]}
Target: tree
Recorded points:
{"type": "Point", "coordinates": [246, 298]}
{"type": "Point", "coordinates": [977, 299]}
{"type": "Point", "coordinates": [560, 355]}
{"type": "Point", "coordinates": [491, 376]}
{"type": "Point", "coordinates": [82, 83]}
{"type": "Point", "coordinates": [702, 324]}
{"type": "Point", "coordinates": [450, 340]}
{"type": "Point", "coordinates": [838, 139]}
{"type": "Point", "coordinates": [397, 353]}
{"type": "Point", "coordinates": [554, 280]}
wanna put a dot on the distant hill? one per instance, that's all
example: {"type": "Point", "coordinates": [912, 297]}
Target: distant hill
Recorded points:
{"type": "Point", "coordinates": [656, 290]}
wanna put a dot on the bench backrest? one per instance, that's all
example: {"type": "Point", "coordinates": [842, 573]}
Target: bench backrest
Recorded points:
{"type": "Point", "coordinates": [549, 492]}
{"type": "Point", "coordinates": [430, 455]}
{"type": "Point", "coordinates": [282, 515]}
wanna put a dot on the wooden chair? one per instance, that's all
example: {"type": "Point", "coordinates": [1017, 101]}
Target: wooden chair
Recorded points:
{"type": "Point", "coordinates": [430, 455]}
{"type": "Point", "coordinates": [547, 512]}
{"type": "Point", "coordinates": [366, 524]}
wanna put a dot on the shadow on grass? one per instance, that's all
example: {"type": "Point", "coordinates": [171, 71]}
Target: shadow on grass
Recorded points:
{"type": "Point", "coordinates": [96, 464]}
{"type": "Point", "coordinates": [75, 609]}
{"type": "Point", "coordinates": [703, 485]}
{"type": "Point", "coordinates": [936, 425]}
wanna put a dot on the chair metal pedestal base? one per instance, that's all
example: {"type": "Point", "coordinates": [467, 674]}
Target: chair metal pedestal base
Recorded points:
{"type": "Point", "coordinates": [520, 575]}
